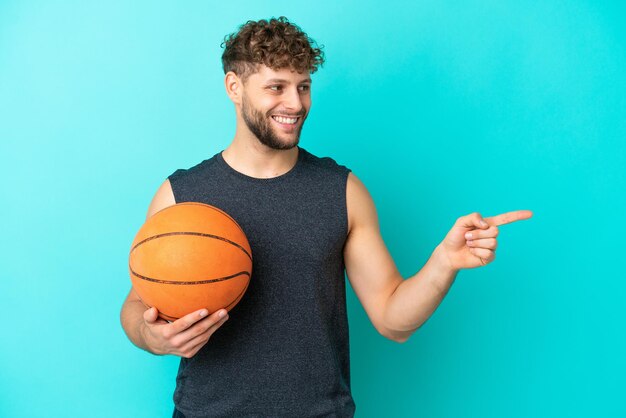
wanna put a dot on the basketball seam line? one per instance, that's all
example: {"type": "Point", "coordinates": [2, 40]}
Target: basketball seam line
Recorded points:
{"type": "Point", "coordinates": [228, 308]}
{"type": "Point", "coordinates": [219, 279]}
{"type": "Point", "coordinates": [199, 234]}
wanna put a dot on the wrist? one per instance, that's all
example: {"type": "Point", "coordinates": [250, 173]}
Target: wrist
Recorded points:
{"type": "Point", "coordinates": [442, 261]}
{"type": "Point", "coordinates": [144, 338]}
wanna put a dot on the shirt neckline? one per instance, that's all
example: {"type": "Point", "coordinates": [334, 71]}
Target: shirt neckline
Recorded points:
{"type": "Point", "coordinates": [224, 165]}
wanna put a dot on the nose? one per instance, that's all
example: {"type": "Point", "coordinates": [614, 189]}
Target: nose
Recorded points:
{"type": "Point", "coordinates": [292, 100]}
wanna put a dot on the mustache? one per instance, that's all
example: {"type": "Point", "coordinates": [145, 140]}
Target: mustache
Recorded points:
{"type": "Point", "coordinates": [299, 114]}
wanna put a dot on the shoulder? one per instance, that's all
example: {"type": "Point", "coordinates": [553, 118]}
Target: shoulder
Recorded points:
{"type": "Point", "coordinates": [360, 204]}
{"type": "Point", "coordinates": [326, 164]}
{"type": "Point", "coordinates": [165, 195]}
{"type": "Point", "coordinates": [195, 170]}
{"type": "Point", "coordinates": [186, 182]}
{"type": "Point", "coordinates": [163, 198]}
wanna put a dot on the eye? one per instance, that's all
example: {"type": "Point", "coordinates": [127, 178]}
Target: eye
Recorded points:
{"type": "Point", "coordinates": [276, 88]}
{"type": "Point", "coordinates": [305, 87]}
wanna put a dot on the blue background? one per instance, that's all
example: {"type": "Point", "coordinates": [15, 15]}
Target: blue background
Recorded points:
{"type": "Point", "coordinates": [442, 108]}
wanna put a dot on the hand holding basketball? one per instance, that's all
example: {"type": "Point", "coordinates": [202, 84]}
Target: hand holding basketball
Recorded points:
{"type": "Point", "coordinates": [183, 337]}
{"type": "Point", "coordinates": [472, 241]}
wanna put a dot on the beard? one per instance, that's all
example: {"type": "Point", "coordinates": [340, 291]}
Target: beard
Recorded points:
{"type": "Point", "coordinates": [261, 127]}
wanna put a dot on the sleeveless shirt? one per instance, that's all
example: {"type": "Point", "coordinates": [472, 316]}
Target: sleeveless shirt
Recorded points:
{"type": "Point", "coordinates": [284, 351]}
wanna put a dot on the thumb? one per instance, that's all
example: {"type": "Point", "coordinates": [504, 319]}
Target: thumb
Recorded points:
{"type": "Point", "coordinates": [471, 221]}
{"type": "Point", "coordinates": [151, 315]}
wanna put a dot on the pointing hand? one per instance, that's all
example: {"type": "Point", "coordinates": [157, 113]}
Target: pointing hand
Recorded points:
{"type": "Point", "coordinates": [472, 240]}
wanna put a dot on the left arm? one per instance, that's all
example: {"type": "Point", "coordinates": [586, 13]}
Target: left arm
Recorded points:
{"type": "Point", "coordinates": [398, 307]}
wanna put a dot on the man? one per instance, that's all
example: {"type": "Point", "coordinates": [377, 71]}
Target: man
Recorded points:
{"type": "Point", "coordinates": [284, 351]}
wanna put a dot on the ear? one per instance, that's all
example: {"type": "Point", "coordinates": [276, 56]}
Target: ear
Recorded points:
{"type": "Point", "coordinates": [234, 87]}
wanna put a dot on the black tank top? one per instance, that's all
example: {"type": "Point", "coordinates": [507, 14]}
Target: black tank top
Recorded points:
{"type": "Point", "coordinates": [284, 351]}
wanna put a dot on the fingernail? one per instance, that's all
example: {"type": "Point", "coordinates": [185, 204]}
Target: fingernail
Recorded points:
{"type": "Point", "coordinates": [203, 313]}
{"type": "Point", "coordinates": [483, 223]}
{"type": "Point", "coordinates": [468, 235]}
{"type": "Point", "coordinates": [222, 314]}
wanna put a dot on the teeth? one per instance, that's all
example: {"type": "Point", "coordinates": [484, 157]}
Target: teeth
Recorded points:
{"type": "Point", "coordinates": [285, 120]}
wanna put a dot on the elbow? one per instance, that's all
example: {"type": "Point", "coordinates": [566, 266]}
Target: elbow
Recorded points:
{"type": "Point", "coordinates": [399, 340]}
{"type": "Point", "coordinates": [397, 336]}
{"type": "Point", "coordinates": [394, 334]}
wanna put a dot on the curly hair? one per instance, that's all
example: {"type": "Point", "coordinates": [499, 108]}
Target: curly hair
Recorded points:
{"type": "Point", "coordinates": [276, 43]}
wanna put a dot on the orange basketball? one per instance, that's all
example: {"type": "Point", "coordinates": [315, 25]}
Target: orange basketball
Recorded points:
{"type": "Point", "coordinates": [190, 256]}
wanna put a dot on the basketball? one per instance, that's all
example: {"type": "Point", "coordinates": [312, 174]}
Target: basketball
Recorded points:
{"type": "Point", "coordinates": [190, 256]}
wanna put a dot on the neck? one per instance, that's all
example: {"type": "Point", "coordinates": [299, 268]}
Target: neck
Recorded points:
{"type": "Point", "coordinates": [250, 157]}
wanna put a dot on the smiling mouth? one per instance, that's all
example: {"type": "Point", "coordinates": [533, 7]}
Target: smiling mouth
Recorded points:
{"type": "Point", "coordinates": [286, 120]}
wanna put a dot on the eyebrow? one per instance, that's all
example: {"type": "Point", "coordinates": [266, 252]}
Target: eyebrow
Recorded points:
{"type": "Point", "coordinates": [282, 80]}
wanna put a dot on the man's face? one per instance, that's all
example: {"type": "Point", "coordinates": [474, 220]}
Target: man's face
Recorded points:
{"type": "Point", "coordinates": [275, 104]}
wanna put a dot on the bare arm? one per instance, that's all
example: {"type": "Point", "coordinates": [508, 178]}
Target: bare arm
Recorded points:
{"type": "Point", "coordinates": [376, 279]}
{"type": "Point", "coordinates": [183, 337]}
{"type": "Point", "coordinates": [398, 307]}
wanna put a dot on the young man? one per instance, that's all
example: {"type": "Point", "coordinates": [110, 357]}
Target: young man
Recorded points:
{"type": "Point", "coordinates": [285, 351]}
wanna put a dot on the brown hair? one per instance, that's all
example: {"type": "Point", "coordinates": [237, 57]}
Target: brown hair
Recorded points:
{"type": "Point", "coordinates": [276, 43]}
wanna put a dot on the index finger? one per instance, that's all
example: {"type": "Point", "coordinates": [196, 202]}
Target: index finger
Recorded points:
{"type": "Point", "coordinates": [509, 217]}
{"type": "Point", "coordinates": [188, 320]}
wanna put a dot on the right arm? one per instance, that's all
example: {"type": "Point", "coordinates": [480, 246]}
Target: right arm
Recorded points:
{"type": "Point", "coordinates": [183, 337]}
